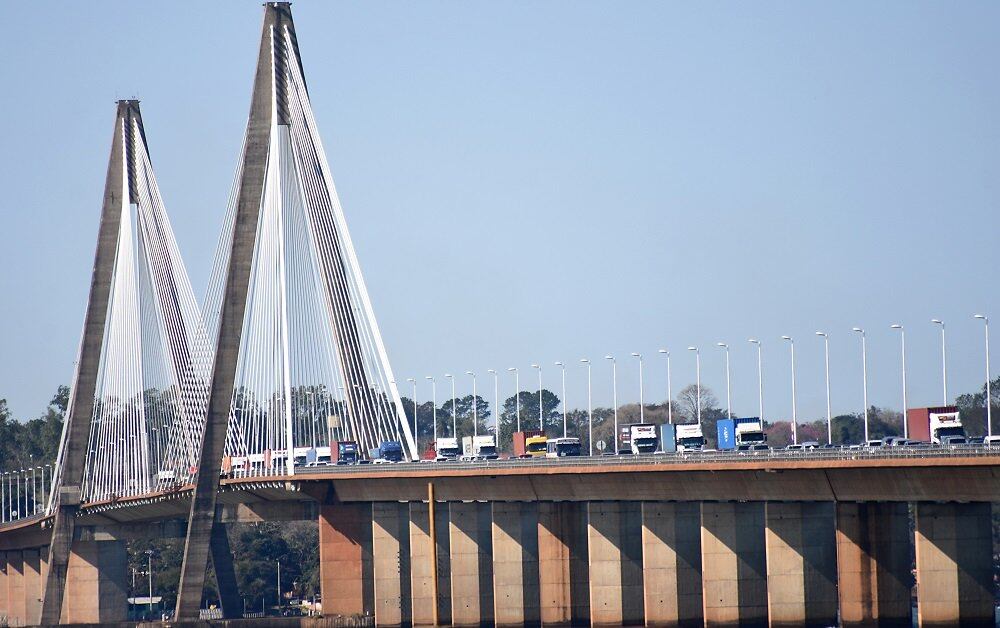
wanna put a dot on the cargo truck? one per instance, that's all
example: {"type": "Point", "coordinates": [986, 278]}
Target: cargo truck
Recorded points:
{"type": "Point", "coordinates": [387, 451]}
{"type": "Point", "coordinates": [690, 437]}
{"type": "Point", "coordinates": [479, 447]}
{"type": "Point", "coordinates": [344, 452]}
{"type": "Point", "coordinates": [561, 447]}
{"type": "Point", "coordinates": [637, 438]}
{"type": "Point", "coordinates": [447, 449]}
{"type": "Point", "coordinates": [318, 457]}
{"type": "Point", "coordinates": [940, 425]}
{"type": "Point", "coordinates": [741, 433]}
{"type": "Point", "coordinates": [530, 444]}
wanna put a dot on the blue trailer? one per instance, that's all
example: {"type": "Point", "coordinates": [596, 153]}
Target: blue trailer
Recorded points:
{"type": "Point", "coordinates": [668, 438]}
{"type": "Point", "coordinates": [727, 434]}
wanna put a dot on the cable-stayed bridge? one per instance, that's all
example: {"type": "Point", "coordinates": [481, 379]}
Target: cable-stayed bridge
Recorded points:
{"type": "Point", "coordinates": [286, 354]}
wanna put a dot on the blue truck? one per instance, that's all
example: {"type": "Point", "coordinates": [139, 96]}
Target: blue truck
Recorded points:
{"type": "Point", "coordinates": [743, 434]}
{"type": "Point", "coordinates": [387, 451]}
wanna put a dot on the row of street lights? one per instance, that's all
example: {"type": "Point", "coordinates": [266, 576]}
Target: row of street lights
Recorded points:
{"type": "Point", "coordinates": [729, 405]}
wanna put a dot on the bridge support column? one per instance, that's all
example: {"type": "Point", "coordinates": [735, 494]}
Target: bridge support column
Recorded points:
{"type": "Point", "coordinates": [563, 563]}
{"type": "Point", "coordinates": [801, 564]}
{"type": "Point", "coordinates": [16, 612]}
{"type": "Point", "coordinates": [954, 550]}
{"type": "Point", "coordinates": [4, 599]}
{"type": "Point", "coordinates": [345, 559]}
{"type": "Point", "coordinates": [515, 564]}
{"type": "Point", "coordinates": [671, 563]}
{"type": "Point", "coordinates": [32, 576]}
{"type": "Point", "coordinates": [391, 563]}
{"type": "Point", "coordinates": [96, 586]}
{"type": "Point", "coordinates": [873, 564]}
{"type": "Point", "coordinates": [615, 542]}
{"type": "Point", "coordinates": [471, 564]}
{"type": "Point", "coordinates": [733, 564]}
{"type": "Point", "coordinates": [421, 568]}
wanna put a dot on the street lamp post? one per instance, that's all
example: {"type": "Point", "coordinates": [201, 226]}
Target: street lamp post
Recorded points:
{"type": "Point", "coordinates": [864, 375]}
{"type": "Point", "coordinates": [475, 405]}
{"type": "Point", "coordinates": [829, 412]}
{"type": "Point", "coordinates": [149, 572]}
{"type": "Point", "coordinates": [517, 396]}
{"type": "Point", "coordinates": [563, 367]}
{"type": "Point", "coordinates": [496, 400]}
{"type": "Point", "coordinates": [902, 344]}
{"type": "Point", "coordinates": [590, 411]}
{"type": "Point", "coordinates": [729, 396]}
{"type": "Point", "coordinates": [541, 421]}
{"type": "Point", "coordinates": [416, 445]}
{"type": "Point", "coordinates": [795, 421]}
{"type": "Point", "coordinates": [760, 379]}
{"type": "Point", "coordinates": [670, 401]}
{"type": "Point", "coordinates": [697, 371]}
{"type": "Point", "coordinates": [944, 362]}
{"type": "Point", "coordinates": [454, 415]}
{"type": "Point", "coordinates": [989, 396]}
{"type": "Point", "coordinates": [614, 392]}
{"type": "Point", "coordinates": [642, 411]}
{"type": "Point", "coordinates": [434, 410]}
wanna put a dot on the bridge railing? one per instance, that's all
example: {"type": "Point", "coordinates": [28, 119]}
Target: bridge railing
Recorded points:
{"type": "Point", "coordinates": [25, 493]}
{"type": "Point", "coordinates": [689, 458]}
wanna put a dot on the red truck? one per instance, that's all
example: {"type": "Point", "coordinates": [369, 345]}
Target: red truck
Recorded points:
{"type": "Point", "coordinates": [940, 424]}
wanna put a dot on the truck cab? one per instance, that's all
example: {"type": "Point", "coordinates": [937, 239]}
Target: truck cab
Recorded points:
{"type": "Point", "coordinates": [643, 438]}
{"type": "Point", "coordinates": [345, 452]}
{"type": "Point", "coordinates": [690, 438]}
{"type": "Point", "coordinates": [387, 451]}
{"type": "Point", "coordinates": [946, 428]}
{"type": "Point", "coordinates": [749, 432]}
{"type": "Point", "coordinates": [561, 447]}
{"type": "Point", "coordinates": [479, 448]}
{"type": "Point", "coordinates": [536, 446]}
{"type": "Point", "coordinates": [447, 449]}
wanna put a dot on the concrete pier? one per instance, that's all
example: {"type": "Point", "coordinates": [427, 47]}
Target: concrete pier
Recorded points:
{"type": "Point", "coordinates": [471, 531]}
{"type": "Point", "coordinates": [32, 576]}
{"type": "Point", "coordinates": [345, 559]}
{"type": "Point", "coordinates": [516, 594]}
{"type": "Point", "coordinates": [734, 568]}
{"type": "Point", "coordinates": [954, 558]}
{"type": "Point", "coordinates": [615, 545]}
{"type": "Point", "coordinates": [391, 563]}
{"type": "Point", "coordinates": [873, 563]}
{"type": "Point", "coordinates": [96, 583]}
{"type": "Point", "coordinates": [671, 563]}
{"type": "Point", "coordinates": [653, 563]}
{"type": "Point", "coordinates": [16, 611]}
{"type": "Point", "coordinates": [4, 606]}
{"type": "Point", "coordinates": [801, 564]}
{"type": "Point", "coordinates": [563, 563]}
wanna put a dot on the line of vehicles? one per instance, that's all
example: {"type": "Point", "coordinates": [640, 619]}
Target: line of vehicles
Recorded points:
{"type": "Point", "coordinates": [927, 427]}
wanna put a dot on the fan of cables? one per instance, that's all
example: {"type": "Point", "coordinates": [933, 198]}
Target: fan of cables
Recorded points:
{"type": "Point", "coordinates": [151, 392]}
{"type": "Point", "coordinates": [312, 368]}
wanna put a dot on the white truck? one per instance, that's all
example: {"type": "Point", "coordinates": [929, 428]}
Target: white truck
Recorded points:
{"type": "Point", "coordinates": [482, 447]}
{"type": "Point", "coordinates": [750, 433]}
{"type": "Point", "coordinates": [690, 438]}
{"type": "Point", "coordinates": [446, 449]}
{"type": "Point", "coordinates": [643, 438]}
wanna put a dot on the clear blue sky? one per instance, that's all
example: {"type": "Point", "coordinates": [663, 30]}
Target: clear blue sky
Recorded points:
{"type": "Point", "coordinates": [530, 182]}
